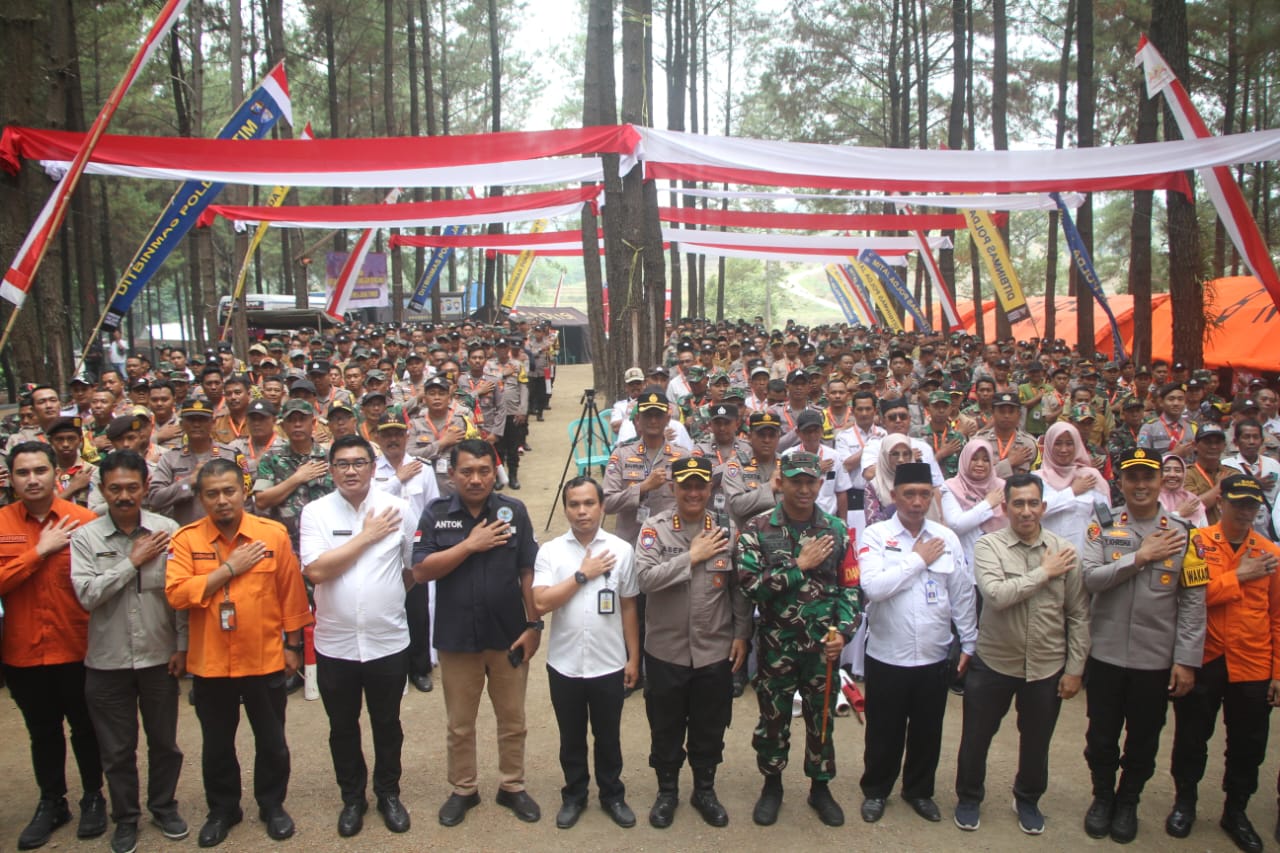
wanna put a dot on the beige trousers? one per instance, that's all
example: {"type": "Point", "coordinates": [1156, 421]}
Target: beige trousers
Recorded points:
{"type": "Point", "coordinates": [465, 677]}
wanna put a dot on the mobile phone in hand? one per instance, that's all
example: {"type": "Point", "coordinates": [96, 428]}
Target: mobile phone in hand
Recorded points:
{"type": "Point", "coordinates": [516, 656]}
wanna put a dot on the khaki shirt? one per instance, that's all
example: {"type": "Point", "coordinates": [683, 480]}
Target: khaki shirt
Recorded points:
{"type": "Point", "coordinates": [628, 466]}
{"type": "Point", "coordinates": [171, 491]}
{"type": "Point", "coordinates": [131, 625]}
{"type": "Point", "coordinates": [694, 611]}
{"type": "Point", "coordinates": [1021, 438]}
{"type": "Point", "coordinates": [748, 489]}
{"type": "Point", "coordinates": [1032, 626]}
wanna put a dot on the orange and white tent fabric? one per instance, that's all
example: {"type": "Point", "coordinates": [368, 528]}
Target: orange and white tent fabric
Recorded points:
{"type": "Point", "coordinates": [1241, 325]}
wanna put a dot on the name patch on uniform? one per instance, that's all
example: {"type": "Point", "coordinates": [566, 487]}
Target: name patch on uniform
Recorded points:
{"type": "Point", "coordinates": [13, 538]}
{"type": "Point", "coordinates": [342, 533]}
{"type": "Point", "coordinates": [203, 555]}
{"type": "Point", "coordinates": [448, 524]}
{"type": "Point", "coordinates": [107, 554]}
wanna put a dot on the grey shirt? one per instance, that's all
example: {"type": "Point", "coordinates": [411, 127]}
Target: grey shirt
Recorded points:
{"type": "Point", "coordinates": [131, 625]}
{"type": "Point", "coordinates": [1143, 615]}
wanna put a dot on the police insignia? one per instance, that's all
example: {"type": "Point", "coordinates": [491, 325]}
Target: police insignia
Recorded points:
{"type": "Point", "coordinates": [505, 514]}
{"type": "Point", "coordinates": [717, 580]}
{"type": "Point", "coordinates": [648, 537]}
{"type": "Point", "coordinates": [1094, 531]}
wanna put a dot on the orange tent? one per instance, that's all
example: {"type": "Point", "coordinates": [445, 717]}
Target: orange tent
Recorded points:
{"type": "Point", "coordinates": [1065, 322]}
{"type": "Point", "coordinates": [1241, 326]}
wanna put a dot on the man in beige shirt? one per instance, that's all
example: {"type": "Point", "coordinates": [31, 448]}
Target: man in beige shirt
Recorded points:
{"type": "Point", "coordinates": [1033, 640]}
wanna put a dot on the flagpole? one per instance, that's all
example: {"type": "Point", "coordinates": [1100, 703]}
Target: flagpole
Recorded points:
{"type": "Point", "coordinates": [68, 185]}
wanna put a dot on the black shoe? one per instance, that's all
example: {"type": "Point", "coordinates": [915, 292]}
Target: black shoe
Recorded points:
{"type": "Point", "coordinates": [215, 829]}
{"type": "Point", "coordinates": [455, 808]}
{"type": "Point", "coordinates": [872, 809]}
{"type": "Point", "coordinates": [705, 803]}
{"type": "Point", "coordinates": [93, 816]}
{"type": "Point", "coordinates": [739, 682]}
{"type": "Point", "coordinates": [514, 483]}
{"type": "Point", "coordinates": [294, 683]}
{"type": "Point", "coordinates": [351, 819]}
{"type": "Point", "coordinates": [925, 807]}
{"type": "Point", "coordinates": [770, 802]}
{"type": "Point", "coordinates": [172, 825]}
{"type": "Point", "coordinates": [279, 824]}
{"type": "Point", "coordinates": [1236, 824]}
{"type": "Point", "coordinates": [664, 809]}
{"type": "Point", "coordinates": [620, 812]}
{"type": "Point", "coordinates": [125, 838]}
{"type": "Point", "coordinates": [1097, 820]}
{"type": "Point", "coordinates": [424, 683]}
{"type": "Point", "coordinates": [821, 801]}
{"type": "Point", "coordinates": [394, 814]}
{"type": "Point", "coordinates": [521, 804]}
{"type": "Point", "coordinates": [1124, 823]}
{"type": "Point", "coordinates": [570, 811]}
{"type": "Point", "coordinates": [1178, 823]}
{"type": "Point", "coordinates": [50, 814]}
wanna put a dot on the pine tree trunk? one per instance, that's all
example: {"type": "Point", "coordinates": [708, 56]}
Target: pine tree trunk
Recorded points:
{"type": "Point", "coordinates": [1086, 108]}
{"type": "Point", "coordinates": [1060, 132]}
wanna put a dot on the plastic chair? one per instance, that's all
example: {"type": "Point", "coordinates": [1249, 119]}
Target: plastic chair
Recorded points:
{"type": "Point", "coordinates": [599, 442]}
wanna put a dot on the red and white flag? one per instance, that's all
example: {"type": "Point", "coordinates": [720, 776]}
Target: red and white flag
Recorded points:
{"type": "Point", "coordinates": [1223, 191]}
{"type": "Point", "coordinates": [935, 275]}
{"type": "Point", "coordinates": [346, 283]}
{"type": "Point", "coordinates": [21, 273]}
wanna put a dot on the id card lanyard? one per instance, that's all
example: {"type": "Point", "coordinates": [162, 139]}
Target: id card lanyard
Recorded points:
{"type": "Point", "coordinates": [226, 607]}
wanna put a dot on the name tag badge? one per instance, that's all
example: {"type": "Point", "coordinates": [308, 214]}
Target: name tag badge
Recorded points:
{"type": "Point", "coordinates": [606, 604]}
{"type": "Point", "coordinates": [931, 591]}
{"type": "Point", "coordinates": [342, 533]}
{"type": "Point", "coordinates": [227, 615]}
{"type": "Point", "coordinates": [442, 465]}
{"type": "Point", "coordinates": [642, 514]}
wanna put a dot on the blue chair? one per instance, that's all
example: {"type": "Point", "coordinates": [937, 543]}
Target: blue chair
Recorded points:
{"type": "Point", "coordinates": [601, 442]}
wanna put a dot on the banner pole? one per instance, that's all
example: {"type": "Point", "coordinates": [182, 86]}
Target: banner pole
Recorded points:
{"type": "Point", "coordinates": [8, 327]}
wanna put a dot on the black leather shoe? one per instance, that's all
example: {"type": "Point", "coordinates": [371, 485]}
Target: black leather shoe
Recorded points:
{"type": "Point", "coordinates": [767, 807]}
{"type": "Point", "coordinates": [50, 814]}
{"type": "Point", "coordinates": [620, 813]}
{"type": "Point", "coordinates": [872, 809]}
{"type": "Point", "coordinates": [1097, 820]}
{"type": "Point", "coordinates": [664, 809]}
{"type": "Point", "coordinates": [279, 824]}
{"type": "Point", "coordinates": [821, 801]}
{"type": "Point", "coordinates": [515, 484]}
{"type": "Point", "coordinates": [394, 814]}
{"type": "Point", "coordinates": [215, 829]}
{"type": "Point", "coordinates": [1236, 824]}
{"type": "Point", "coordinates": [570, 811]}
{"type": "Point", "coordinates": [1124, 823]}
{"type": "Point", "coordinates": [125, 838]}
{"type": "Point", "coordinates": [926, 808]}
{"type": "Point", "coordinates": [424, 683]}
{"type": "Point", "coordinates": [351, 819]}
{"type": "Point", "coordinates": [1178, 823]}
{"type": "Point", "coordinates": [93, 816]}
{"type": "Point", "coordinates": [521, 804]}
{"type": "Point", "coordinates": [705, 803]}
{"type": "Point", "coordinates": [455, 808]}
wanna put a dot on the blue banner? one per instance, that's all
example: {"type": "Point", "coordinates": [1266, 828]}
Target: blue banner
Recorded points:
{"type": "Point", "coordinates": [254, 120]}
{"type": "Point", "coordinates": [855, 280]}
{"type": "Point", "coordinates": [1084, 267]}
{"type": "Point", "coordinates": [473, 297]}
{"type": "Point", "coordinates": [896, 286]}
{"type": "Point", "coordinates": [431, 272]}
{"type": "Point", "coordinates": [850, 316]}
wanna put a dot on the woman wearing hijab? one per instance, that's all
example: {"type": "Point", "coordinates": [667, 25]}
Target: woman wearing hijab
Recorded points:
{"type": "Point", "coordinates": [1175, 497]}
{"type": "Point", "coordinates": [972, 501]}
{"type": "Point", "coordinates": [1071, 484]}
{"type": "Point", "coordinates": [895, 449]}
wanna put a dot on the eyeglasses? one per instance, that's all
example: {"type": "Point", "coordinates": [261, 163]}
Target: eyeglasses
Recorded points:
{"type": "Point", "coordinates": [351, 464]}
{"type": "Point", "coordinates": [897, 416]}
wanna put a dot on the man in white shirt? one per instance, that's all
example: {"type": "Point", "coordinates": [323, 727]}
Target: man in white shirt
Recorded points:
{"type": "Point", "coordinates": [633, 380]}
{"type": "Point", "coordinates": [355, 547]}
{"type": "Point", "coordinates": [588, 578]}
{"type": "Point", "coordinates": [1249, 459]}
{"type": "Point", "coordinates": [916, 582]}
{"type": "Point", "coordinates": [412, 480]}
{"type": "Point", "coordinates": [896, 416]}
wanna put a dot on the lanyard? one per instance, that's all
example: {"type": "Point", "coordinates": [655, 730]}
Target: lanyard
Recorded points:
{"type": "Point", "coordinates": [843, 423]}
{"type": "Point", "coordinates": [1174, 438]}
{"type": "Point", "coordinates": [1003, 449]}
{"type": "Point", "coordinates": [448, 419]}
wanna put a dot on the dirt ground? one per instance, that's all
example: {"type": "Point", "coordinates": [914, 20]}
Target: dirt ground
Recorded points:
{"type": "Point", "coordinates": [314, 802]}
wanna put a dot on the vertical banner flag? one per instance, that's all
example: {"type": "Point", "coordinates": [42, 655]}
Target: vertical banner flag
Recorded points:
{"type": "Point", "coordinates": [896, 286]}
{"type": "Point", "coordinates": [19, 276]}
{"type": "Point", "coordinates": [842, 299]}
{"type": "Point", "coordinates": [1084, 266]}
{"type": "Point", "coordinates": [883, 304]}
{"type": "Point", "coordinates": [1218, 182]}
{"type": "Point", "coordinates": [252, 120]}
{"type": "Point", "coordinates": [853, 287]}
{"type": "Point", "coordinates": [431, 271]}
{"type": "Point", "coordinates": [988, 243]}
{"type": "Point", "coordinates": [520, 272]}
{"type": "Point", "coordinates": [945, 299]}
{"type": "Point", "coordinates": [346, 281]}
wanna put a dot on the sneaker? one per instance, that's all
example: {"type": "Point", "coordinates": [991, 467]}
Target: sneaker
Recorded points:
{"type": "Point", "coordinates": [125, 838]}
{"type": "Point", "coordinates": [1030, 820]}
{"type": "Point", "coordinates": [172, 825]}
{"type": "Point", "coordinates": [968, 816]}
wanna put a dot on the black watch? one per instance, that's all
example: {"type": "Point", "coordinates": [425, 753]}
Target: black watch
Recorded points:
{"type": "Point", "coordinates": [298, 649]}
{"type": "Point", "coordinates": [581, 578]}
{"type": "Point", "coordinates": [536, 626]}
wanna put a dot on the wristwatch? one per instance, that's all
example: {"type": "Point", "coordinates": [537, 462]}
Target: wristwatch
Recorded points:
{"type": "Point", "coordinates": [298, 649]}
{"type": "Point", "coordinates": [536, 626]}
{"type": "Point", "coordinates": [580, 578]}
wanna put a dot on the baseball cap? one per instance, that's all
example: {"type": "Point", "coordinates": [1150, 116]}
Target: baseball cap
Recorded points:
{"type": "Point", "coordinates": [726, 411]}
{"type": "Point", "coordinates": [761, 420]}
{"type": "Point", "coordinates": [633, 374]}
{"type": "Point", "coordinates": [318, 367]}
{"type": "Point", "coordinates": [1210, 430]}
{"type": "Point", "coordinates": [338, 406]}
{"type": "Point", "coordinates": [1132, 403]}
{"type": "Point", "coordinates": [940, 397]}
{"type": "Point", "coordinates": [1239, 487]}
{"type": "Point", "coordinates": [808, 418]}
{"type": "Point", "coordinates": [797, 375]}
{"type": "Point", "coordinates": [758, 369]}
{"type": "Point", "coordinates": [691, 468]}
{"type": "Point", "coordinates": [651, 400]}
{"type": "Point", "coordinates": [262, 407]}
{"type": "Point", "coordinates": [695, 372]}
{"type": "Point", "coordinates": [1082, 412]}
{"type": "Point", "coordinates": [659, 370]}
{"type": "Point", "coordinates": [436, 381]}
{"type": "Point", "coordinates": [302, 385]}
{"type": "Point", "coordinates": [292, 406]}
{"type": "Point", "coordinates": [389, 421]}
{"type": "Point", "coordinates": [800, 462]}
{"type": "Point", "coordinates": [372, 395]}
{"type": "Point", "coordinates": [1005, 398]}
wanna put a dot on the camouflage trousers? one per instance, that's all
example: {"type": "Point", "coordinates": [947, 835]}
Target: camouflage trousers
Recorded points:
{"type": "Point", "coordinates": [781, 671]}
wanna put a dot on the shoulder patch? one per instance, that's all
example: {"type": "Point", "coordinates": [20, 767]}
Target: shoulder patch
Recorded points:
{"type": "Point", "coordinates": [648, 538]}
{"type": "Point", "coordinates": [1094, 531]}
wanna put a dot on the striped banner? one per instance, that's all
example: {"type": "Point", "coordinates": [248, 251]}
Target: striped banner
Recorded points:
{"type": "Point", "coordinates": [896, 287]}
{"type": "Point", "coordinates": [883, 304]}
{"type": "Point", "coordinates": [520, 272]}
{"type": "Point", "coordinates": [990, 245]}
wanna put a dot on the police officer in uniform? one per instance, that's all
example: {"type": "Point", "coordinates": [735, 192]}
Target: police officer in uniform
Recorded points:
{"type": "Point", "coordinates": [1147, 633]}
{"type": "Point", "coordinates": [172, 491]}
{"type": "Point", "coordinates": [723, 444]}
{"type": "Point", "coordinates": [748, 488]}
{"type": "Point", "coordinates": [636, 476]}
{"type": "Point", "coordinates": [797, 564]}
{"type": "Point", "coordinates": [440, 424]}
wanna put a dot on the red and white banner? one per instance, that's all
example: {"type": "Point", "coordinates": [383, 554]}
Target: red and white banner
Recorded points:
{"type": "Point", "coordinates": [18, 278]}
{"type": "Point", "coordinates": [1016, 201]}
{"type": "Point", "coordinates": [715, 218]}
{"type": "Point", "coordinates": [798, 243]}
{"type": "Point", "coordinates": [1223, 191]}
{"type": "Point", "coordinates": [521, 242]}
{"type": "Point", "coordinates": [346, 282]}
{"type": "Point", "coordinates": [945, 299]}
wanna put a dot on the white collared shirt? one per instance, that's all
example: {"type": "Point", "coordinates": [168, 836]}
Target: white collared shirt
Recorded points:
{"type": "Point", "coordinates": [852, 439]}
{"type": "Point", "coordinates": [359, 614]}
{"type": "Point", "coordinates": [420, 490]}
{"type": "Point", "coordinates": [910, 605]}
{"type": "Point", "coordinates": [582, 642]}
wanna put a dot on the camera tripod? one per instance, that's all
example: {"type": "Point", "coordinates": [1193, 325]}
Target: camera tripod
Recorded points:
{"type": "Point", "coordinates": [597, 436]}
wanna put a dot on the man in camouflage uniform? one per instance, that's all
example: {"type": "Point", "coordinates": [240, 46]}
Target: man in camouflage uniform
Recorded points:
{"type": "Point", "coordinates": [941, 434]}
{"type": "Point", "coordinates": [797, 564]}
{"type": "Point", "coordinates": [290, 478]}
{"type": "Point", "coordinates": [171, 489]}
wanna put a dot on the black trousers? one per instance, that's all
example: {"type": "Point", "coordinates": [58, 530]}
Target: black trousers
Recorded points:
{"type": "Point", "coordinates": [218, 707]}
{"type": "Point", "coordinates": [116, 696]}
{"type": "Point", "coordinates": [987, 695]}
{"type": "Point", "coordinates": [687, 702]}
{"type": "Point", "coordinates": [598, 701]}
{"type": "Point", "coordinates": [1132, 700]}
{"type": "Point", "coordinates": [905, 707]}
{"type": "Point", "coordinates": [417, 612]}
{"type": "Point", "coordinates": [1246, 715]}
{"type": "Point", "coordinates": [343, 683]}
{"type": "Point", "coordinates": [46, 695]}
{"type": "Point", "coordinates": [513, 435]}
{"type": "Point", "coordinates": [537, 394]}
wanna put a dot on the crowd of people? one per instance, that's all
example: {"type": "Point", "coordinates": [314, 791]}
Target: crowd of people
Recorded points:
{"type": "Point", "coordinates": [801, 510]}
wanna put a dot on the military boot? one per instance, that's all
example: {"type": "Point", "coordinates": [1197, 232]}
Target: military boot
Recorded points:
{"type": "Point", "coordinates": [704, 797]}
{"type": "Point", "coordinates": [664, 807]}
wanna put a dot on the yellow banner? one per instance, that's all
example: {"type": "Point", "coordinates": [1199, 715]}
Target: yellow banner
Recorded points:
{"type": "Point", "coordinates": [990, 245]}
{"type": "Point", "coordinates": [875, 289]}
{"type": "Point", "coordinates": [524, 263]}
